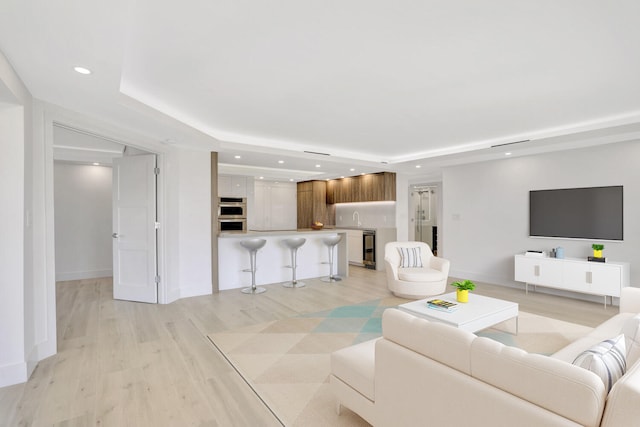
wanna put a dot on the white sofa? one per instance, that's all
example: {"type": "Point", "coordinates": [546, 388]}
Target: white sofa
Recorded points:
{"type": "Point", "coordinates": [427, 373]}
{"type": "Point", "coordinates": [415, 283]}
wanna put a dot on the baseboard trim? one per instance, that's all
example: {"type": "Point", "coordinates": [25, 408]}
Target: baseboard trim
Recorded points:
{"type": "Point", "coordinates": [540, 289]}
{"type": "Point", "coordinates": [80, 275]}
{"type": "Point", "coordinates": [13, 374]}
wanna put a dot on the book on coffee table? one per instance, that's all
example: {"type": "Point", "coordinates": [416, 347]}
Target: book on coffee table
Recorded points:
{"type": "Point", "coordinates": [442, 305]}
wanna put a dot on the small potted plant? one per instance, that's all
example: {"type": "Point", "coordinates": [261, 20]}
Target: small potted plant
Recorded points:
{"type": "Point", "coordinates": [597, 250]}
{"type": "Point", "coordinates": [463, 288]}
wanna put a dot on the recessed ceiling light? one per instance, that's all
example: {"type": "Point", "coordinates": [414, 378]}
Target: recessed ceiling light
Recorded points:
{"type": "Point", "coordinates": [262, 177]}
{"type": "Point", "coordinates": [418, 166]}
{"type": "Point", "coordinates": [281, 161]}
{"type": "Point", "coordinates": [352, 169]}
{"type": "Point", "coordinates": [507, 154]}
{"type": "Point", "coordinates": [290, 179]}
{"type": "Point", "coordinates": [82, 70]}
{"type": "Point", "coordinates": [317, 166]}
{"type": "Point", "coordinates": [237, 157]}
{"type": "Point", "coordinates": [96, 164]}
{"type": "Point", "coordinates": [342, 176]}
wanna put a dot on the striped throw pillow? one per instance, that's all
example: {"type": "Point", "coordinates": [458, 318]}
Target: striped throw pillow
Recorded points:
{"type": "Point", "coordinates": [606, 359]}
{"type": "Point", "coordinates": [410, 258]}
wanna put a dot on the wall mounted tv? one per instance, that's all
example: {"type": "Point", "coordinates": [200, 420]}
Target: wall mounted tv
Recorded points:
{"type": "Point", "coordinates": [577, 213]}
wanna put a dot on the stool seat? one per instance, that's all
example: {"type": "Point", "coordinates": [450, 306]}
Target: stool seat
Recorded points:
{"type": "Point", "coordinates": [253, 245]}
{"type": "Point", "coordinates": [331, 242]}
{"type": "Point", "coordinates": [293, 243]}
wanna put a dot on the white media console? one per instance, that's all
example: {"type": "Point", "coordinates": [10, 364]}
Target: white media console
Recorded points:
{"type": "Point", "coordinates": [572, 274]}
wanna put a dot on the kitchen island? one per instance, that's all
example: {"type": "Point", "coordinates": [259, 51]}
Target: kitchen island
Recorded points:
{"type": "Point", "coordinates": [273, 258]}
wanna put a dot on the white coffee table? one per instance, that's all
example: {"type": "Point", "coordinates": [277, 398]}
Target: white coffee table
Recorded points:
{"type": "Point", "coordinates": [479, 313]}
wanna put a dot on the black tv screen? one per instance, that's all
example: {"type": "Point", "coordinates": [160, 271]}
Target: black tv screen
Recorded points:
{"type": "Point", "coordinates": [577, 213]}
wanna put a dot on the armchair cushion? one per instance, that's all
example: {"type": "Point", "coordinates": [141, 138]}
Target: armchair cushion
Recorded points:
{"type": "Point", "coordinates": [420, 275]}
{"type": "Point", "coordinates": [410, 257]}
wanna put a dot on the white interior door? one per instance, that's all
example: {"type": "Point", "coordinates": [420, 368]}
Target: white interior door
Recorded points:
{"type": "Point", "coordinates": [134, 231]}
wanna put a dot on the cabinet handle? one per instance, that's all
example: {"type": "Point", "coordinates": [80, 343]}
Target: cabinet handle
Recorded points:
{"type": "Point", "coordinates": [536, 270]}
{"type": "Point", "coordinates": [589, 277]}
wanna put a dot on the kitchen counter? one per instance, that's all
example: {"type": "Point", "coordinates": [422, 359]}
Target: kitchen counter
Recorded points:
{"type": "Point", "coordinates": [261, 233]}
{"type": "Point", "coordinates": [272, 259]}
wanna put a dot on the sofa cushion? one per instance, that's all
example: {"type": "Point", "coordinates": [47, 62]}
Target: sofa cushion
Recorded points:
{"type": "Point", "coordinates": [560, 387]}
{"type": "Point", "coordinates": [420, 275]}
{"type": "Point", "coordinates": [609, 328]}
{"type": "Point", "coordinates": [606, 359]}
{"type": "Point", "coordinates": [631, 331]}
{"type": "Point", "coordinates": [442, 343]}
{"type": "Point", "coordinates": [410, 257]}
{"type": "Point", "coordinates": [355, 365]}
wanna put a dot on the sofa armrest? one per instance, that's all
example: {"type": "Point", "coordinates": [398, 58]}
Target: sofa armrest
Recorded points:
{"type": "Point", "coordinates": [630, 300]}
{"type": "Point", "coordinates": [440, 264]}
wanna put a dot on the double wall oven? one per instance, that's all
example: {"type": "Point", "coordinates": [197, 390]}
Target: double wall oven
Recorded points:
{"type": "Point", "coordinates": [232, 214]}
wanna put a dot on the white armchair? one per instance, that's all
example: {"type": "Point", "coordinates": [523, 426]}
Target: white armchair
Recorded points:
{"type": "Point", "coordinates": [413, 281]}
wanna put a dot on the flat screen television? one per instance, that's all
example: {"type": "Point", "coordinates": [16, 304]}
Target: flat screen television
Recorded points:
{"type": "Point", "coordinates": [577, 213]}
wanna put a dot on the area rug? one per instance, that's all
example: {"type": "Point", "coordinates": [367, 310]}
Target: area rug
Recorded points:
{"type": "Point", "coordinates": [286, 361]}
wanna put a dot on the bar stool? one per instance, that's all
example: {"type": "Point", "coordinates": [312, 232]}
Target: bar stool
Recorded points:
{"type": "Point", "coordinates": [293, 244]}
{"type": "Point", "coordinates": [252, 245]}
{"type": "Point", "coordinates": [331, 243]}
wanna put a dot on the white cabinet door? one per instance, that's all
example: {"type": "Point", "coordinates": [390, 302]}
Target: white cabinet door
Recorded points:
{"type": "Point", "coordinates": [258, 215]}
{"type": "Point", "coordinates": [354, 240]}
{"type": "Point", "coordinates": [283, 207]}
{"type": "Point", "coordinates": [232, 186]}
{"type": "Point", "coordinates": [606, 279]}
{"type": "Point", "coordinates": [238, 186]}
{"type": "Point", "coordinates": [275, 206]}
{"type": "Point", "coordinates": [538, 271]}
{"type": "Point", "coordinates": [224, 186]}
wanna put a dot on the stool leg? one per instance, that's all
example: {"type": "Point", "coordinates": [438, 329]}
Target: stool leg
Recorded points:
{"type": "Point", "coordinates": [294, 263]}
{"type": "Point", "coordinates": [331, 277]}
{"type": "Point", "coordinates": [253, 289]}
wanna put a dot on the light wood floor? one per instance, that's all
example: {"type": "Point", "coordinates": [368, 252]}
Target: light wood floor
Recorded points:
{"type": "Point", "coordinates": [130, 364]}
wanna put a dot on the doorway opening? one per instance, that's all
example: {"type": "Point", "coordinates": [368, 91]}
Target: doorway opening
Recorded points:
{"type": "Point", "coordinates": [85, 211]}
{"type": "Point", "coordinates": [424, 208]}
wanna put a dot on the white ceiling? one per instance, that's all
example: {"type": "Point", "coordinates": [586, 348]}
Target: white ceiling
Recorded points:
{"type": "Point", "coordinates": [377, 85]}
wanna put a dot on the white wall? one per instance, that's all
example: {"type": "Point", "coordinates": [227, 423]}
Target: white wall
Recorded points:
{"type": "Point", "coordinates": [485, 208]}
{"type": "Point", "coordinates": [194, 195]}
{"type": "Point", "coordinates": [24, 333]}
{"type": "Point", "coordinates": [83, 221]}
{"type": "Point", "coordinates": [13, 366]}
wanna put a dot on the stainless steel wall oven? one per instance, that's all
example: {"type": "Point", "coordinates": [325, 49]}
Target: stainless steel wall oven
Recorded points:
{"type": "Point", "coordinates": [232, 208]}
{"type": "Point", "coordinates": [232, 214]}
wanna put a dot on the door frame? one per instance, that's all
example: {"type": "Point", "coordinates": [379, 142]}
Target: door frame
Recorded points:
{"type": "Point", "coordinates": [55, 115]}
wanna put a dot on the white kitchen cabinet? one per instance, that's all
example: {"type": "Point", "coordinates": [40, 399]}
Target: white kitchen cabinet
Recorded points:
{"type": "Point", "coordinates": [232, 186]}
{"type": "Point", "coordinates": [571, 274]}
{"type": "Point", "coordinates": [274, 207]}
{"type": "Point", "coordinates": [354, 240]}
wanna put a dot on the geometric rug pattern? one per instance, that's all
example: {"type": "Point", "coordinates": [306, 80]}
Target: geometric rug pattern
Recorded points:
{"type": "Point", "coordinates": [286, 361]}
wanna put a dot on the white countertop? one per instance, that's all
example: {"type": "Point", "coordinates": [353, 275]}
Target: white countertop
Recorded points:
{"type": "Point", "coordinates": [254, 233]}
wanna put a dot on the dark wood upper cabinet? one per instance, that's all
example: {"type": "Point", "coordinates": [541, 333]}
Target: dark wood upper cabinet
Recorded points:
{"type": "Point", "coordinates": [373, 187]}
{"type": "Point", "coordinates": [312, 204]}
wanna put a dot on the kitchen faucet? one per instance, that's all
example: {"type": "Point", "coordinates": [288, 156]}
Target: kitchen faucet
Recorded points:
{"type": "Point", "coordinates": [356, 214]}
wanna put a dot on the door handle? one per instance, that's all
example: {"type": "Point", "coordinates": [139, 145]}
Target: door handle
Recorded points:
{"type": "Point", "coordinates": [115, 235]}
